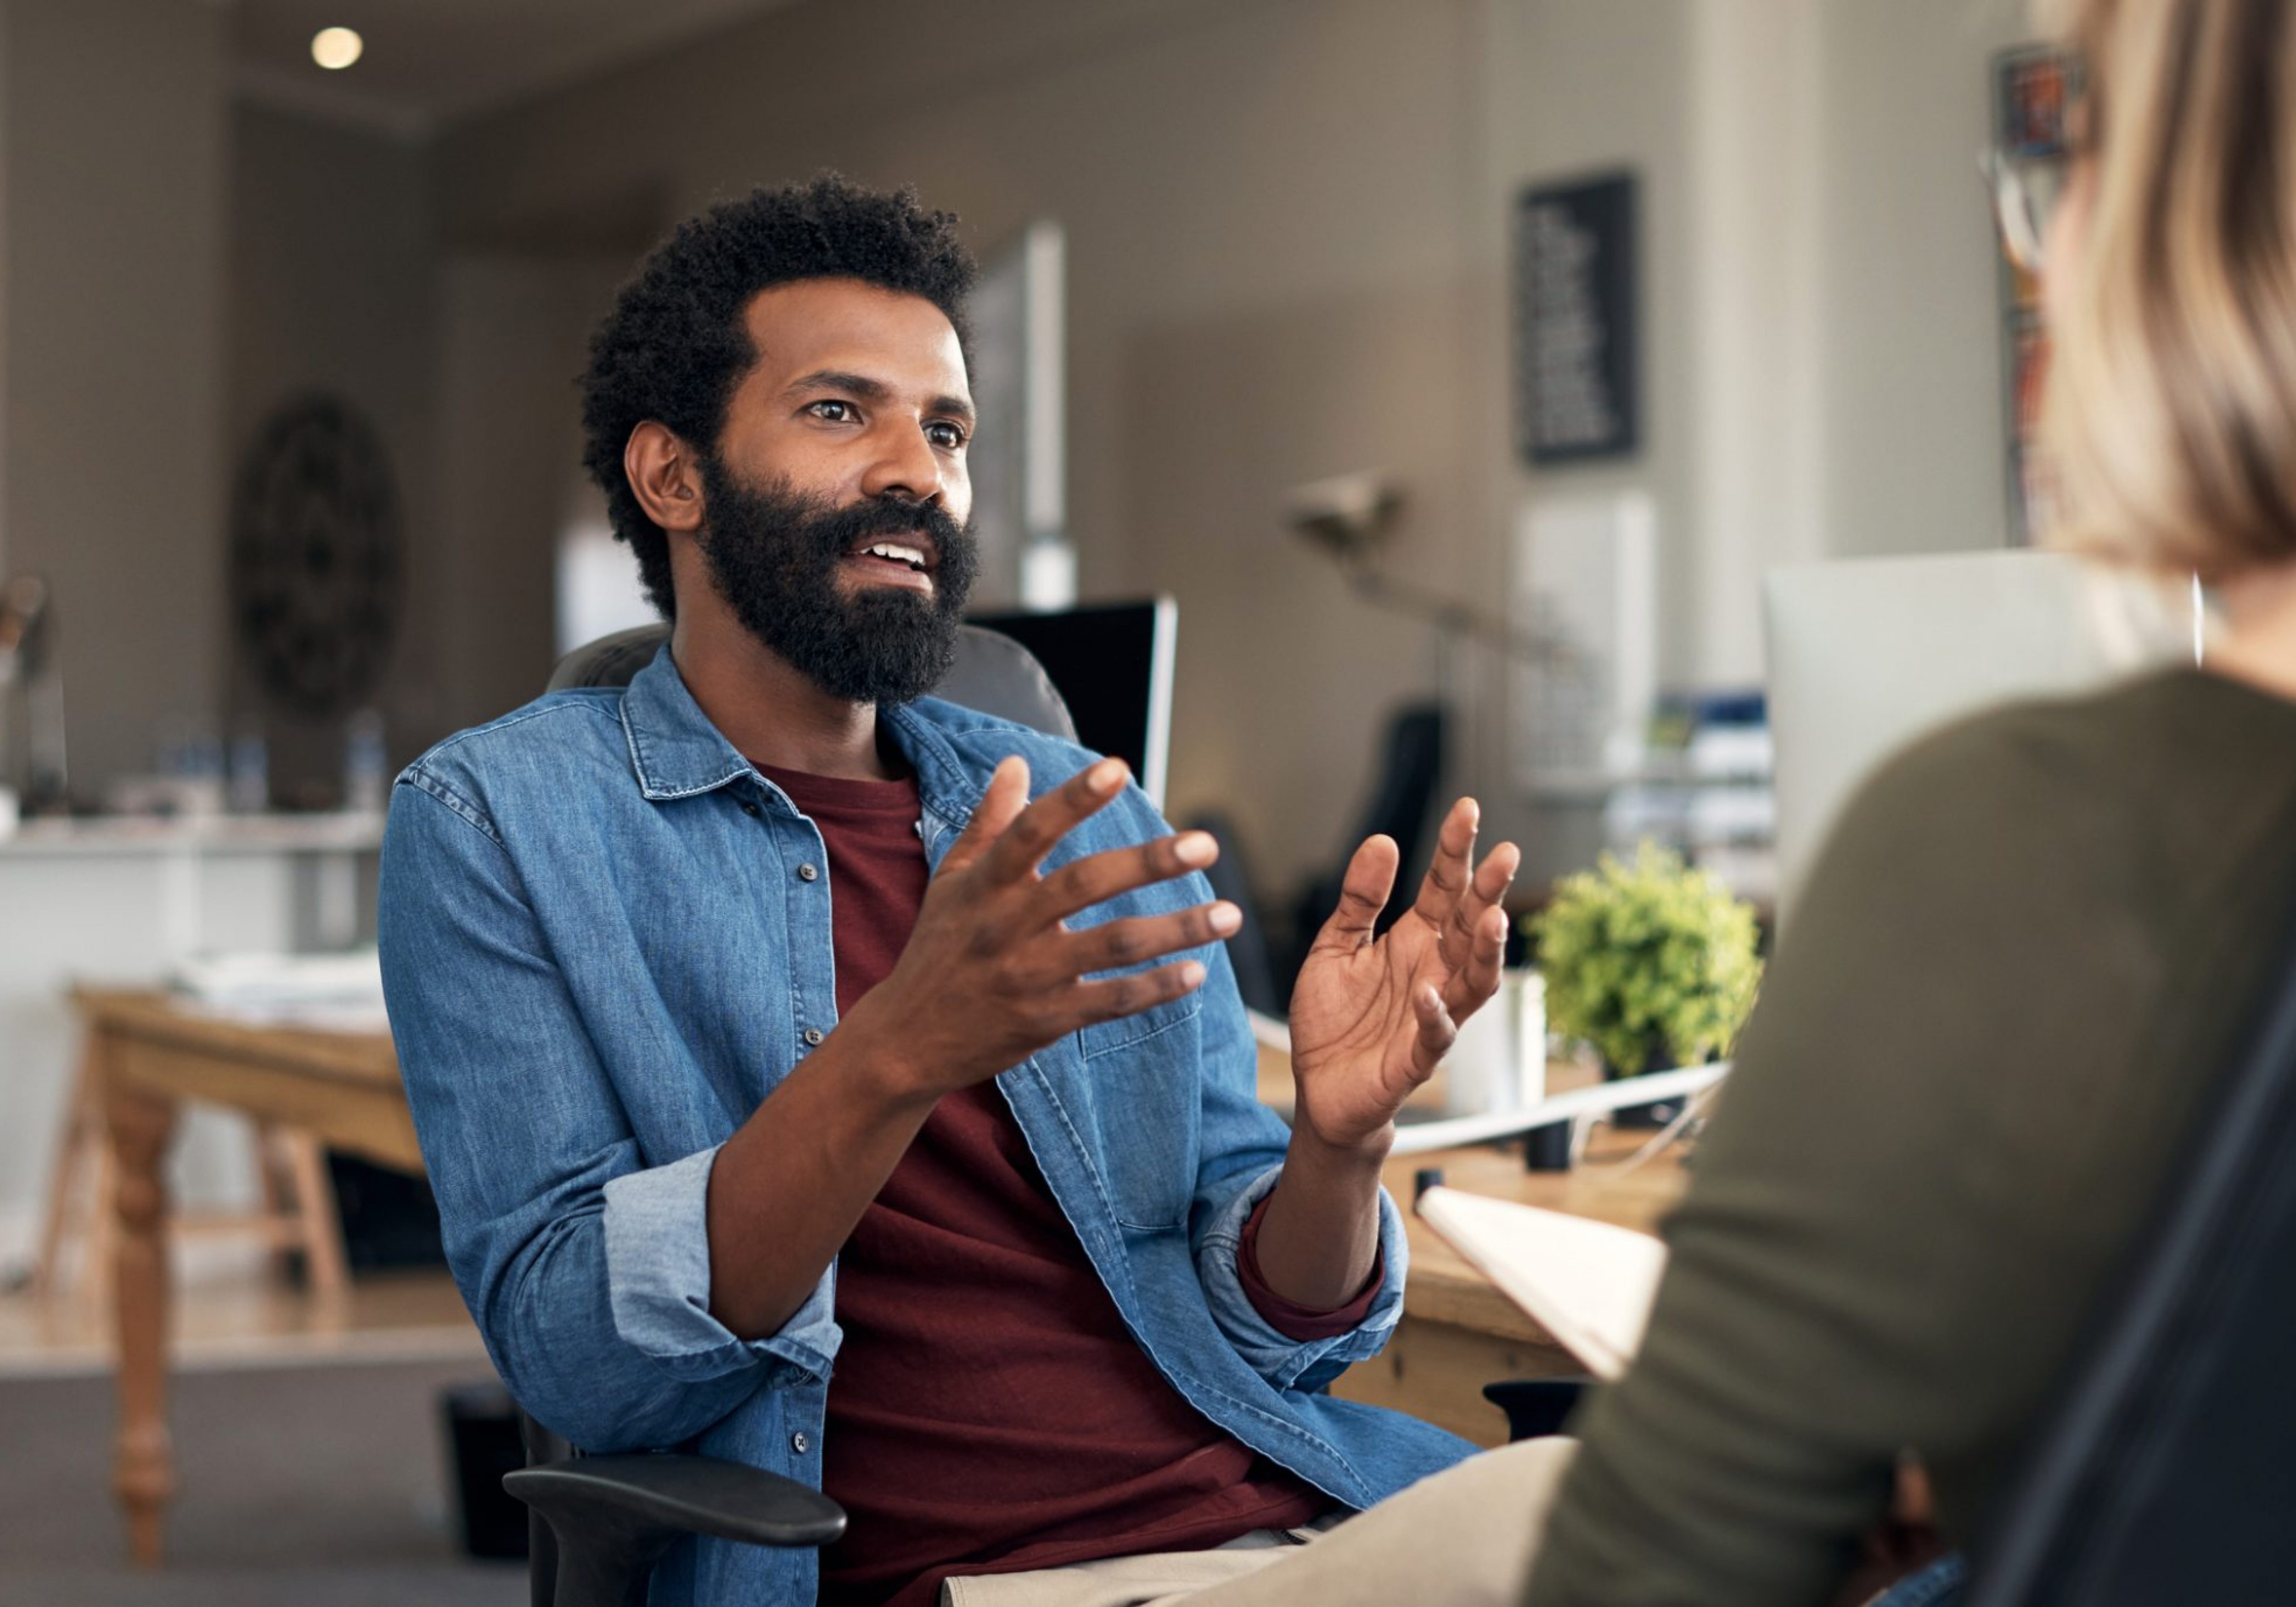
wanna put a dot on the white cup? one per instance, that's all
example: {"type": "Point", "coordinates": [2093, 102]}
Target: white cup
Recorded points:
{"type": "Point", "coordinates": [1499, 1062]}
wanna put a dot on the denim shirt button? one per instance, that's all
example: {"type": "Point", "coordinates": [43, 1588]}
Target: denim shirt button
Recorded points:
{"type": "Point", "coordinates": [805, 873]}
{"type": "Point", "coordinates": [799, 1443]}
{"type": "Point", "coordinates": [749, 807]}
{"type": "Point", "coordinates": [813, 1036]}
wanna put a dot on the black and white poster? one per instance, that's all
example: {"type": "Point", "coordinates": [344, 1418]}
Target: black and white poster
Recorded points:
{"type": "Point", "coordinates": [1575, 296]}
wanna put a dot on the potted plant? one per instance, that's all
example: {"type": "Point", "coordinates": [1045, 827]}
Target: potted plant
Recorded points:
{"type": "Point", "coordinates": [1654, 964]}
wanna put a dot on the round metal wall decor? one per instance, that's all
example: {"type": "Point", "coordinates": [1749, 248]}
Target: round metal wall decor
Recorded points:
{"type": "Point", "coordinates": [315, 568]}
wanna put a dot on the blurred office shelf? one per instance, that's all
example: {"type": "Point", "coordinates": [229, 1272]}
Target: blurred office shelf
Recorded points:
{"type": "Point", "coordinates": [1703, 788]}
{"type": "Point", "coordinates": [335, 832]}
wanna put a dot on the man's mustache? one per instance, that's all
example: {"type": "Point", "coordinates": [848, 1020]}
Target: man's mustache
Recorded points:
{"type": "Point", "coordinates": [836, 531]}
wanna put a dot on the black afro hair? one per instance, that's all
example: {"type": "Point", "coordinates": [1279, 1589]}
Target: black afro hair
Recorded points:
{"type": "Point", "coordinates": [674, 347]}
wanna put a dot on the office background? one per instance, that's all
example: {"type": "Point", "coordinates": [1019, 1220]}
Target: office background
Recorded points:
{"type": "Point", "coordinates": [1288, 228]}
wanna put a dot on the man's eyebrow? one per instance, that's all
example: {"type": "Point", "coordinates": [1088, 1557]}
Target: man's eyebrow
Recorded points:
{"type": "Point", "coordinates": [956, 405]}
{"type": "Point", "coordinates": [838, 378]}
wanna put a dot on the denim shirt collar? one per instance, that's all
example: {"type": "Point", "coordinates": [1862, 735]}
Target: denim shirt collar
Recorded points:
{"type": "Point", "coordinates": [676, 752]}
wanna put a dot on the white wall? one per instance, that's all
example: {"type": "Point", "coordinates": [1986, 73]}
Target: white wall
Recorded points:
{"type": "Point", "coordinates": [1757, 257]}
{"type": "Point", "coordinates": [112, 138]}
{"type": "Point", "coordinates": [1910, 321]}
{"type": "Point", "coordinates": [513, 332]}
{"type": "Point", "coordinates": [333, 287]}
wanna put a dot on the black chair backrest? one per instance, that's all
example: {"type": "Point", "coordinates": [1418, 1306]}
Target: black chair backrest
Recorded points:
{"type": "Point", "coordinates": [1411, 769]}
{"type": "Point", "coordinates": [1248, 950]}
{"type": "Point", "coordinates": [2171, 1463]}
{"type": "Point", "coordinates": [993, 673]}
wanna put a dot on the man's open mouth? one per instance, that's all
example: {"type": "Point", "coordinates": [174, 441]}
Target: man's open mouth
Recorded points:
{"type": "Point", "coordinates": [910, 559]}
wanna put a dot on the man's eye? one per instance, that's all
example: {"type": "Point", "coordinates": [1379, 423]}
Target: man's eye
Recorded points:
{"type": "Point", "coordinates": [835, 412]}
{"type": "Point", "coordinates": [946, 436]}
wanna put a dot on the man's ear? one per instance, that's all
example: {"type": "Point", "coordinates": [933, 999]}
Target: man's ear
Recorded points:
{"type": "Point", "coordinates": [665, 475]}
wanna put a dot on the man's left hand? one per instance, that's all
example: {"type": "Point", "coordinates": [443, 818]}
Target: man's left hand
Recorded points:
{"type": "Point", "coordinates": [1372, 1016]}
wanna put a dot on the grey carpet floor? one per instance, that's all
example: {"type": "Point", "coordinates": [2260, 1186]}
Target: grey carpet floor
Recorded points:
{"type": "Point", "coordinates": [307, 1486]}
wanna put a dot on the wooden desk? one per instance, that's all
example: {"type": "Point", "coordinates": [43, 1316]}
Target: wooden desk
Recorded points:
{"type": "Point", "coordinates": [151, 1052]}
{"type": "Point", "coordinates": [1458, 1331]}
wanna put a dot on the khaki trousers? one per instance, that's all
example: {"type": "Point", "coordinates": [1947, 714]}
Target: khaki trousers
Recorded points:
{"type": "Point", "coordinates": [1464, 1538]}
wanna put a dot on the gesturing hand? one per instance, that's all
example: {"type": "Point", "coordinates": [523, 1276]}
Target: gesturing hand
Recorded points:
{"type": "Point", "coordinates": [1371, 1016]}
{"type": "Point", "coordinates": [991, 972]}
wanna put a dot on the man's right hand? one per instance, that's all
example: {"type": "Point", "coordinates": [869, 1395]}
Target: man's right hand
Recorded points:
{"type": "Point", "coordinates": [992, 973]}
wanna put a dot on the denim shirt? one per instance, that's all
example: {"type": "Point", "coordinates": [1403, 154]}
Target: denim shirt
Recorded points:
{"type": "Point", "coordinates": [606, 938]}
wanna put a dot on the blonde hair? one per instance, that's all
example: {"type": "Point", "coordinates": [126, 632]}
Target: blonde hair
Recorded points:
{"type": "Point", "coordinates": [2171, 400]}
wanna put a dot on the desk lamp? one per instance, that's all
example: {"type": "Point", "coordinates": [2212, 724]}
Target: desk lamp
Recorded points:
{"type": "Point", "coordinates": [1348, 517]}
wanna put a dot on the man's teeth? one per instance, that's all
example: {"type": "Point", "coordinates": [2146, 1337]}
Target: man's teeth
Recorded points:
{"type": "Point", "coordinates": [912, 557]}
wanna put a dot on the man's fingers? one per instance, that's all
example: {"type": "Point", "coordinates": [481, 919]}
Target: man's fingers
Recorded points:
{"type": "Point", "coordinates": [1485, 889]}
{"type": "Point", "coordinates": [1448, 872]}
{"type": "Point", "coordinates": [1096, 878]}
{"type": "Point", "coordinates": [1474, 983]}
{"type": "Point", "coordinates": [1006, 794]}
{"type": "Point", "coordinates": [1115, 944]}
{"type": "Point", "coordinates": [1363, 894]}
{"type": "Point", "coordinates": [1133, 992]}
{"type": "Point", "coordinates": [1026, 838]}
{"type": "Point", "coordinates": [1436, 1034]}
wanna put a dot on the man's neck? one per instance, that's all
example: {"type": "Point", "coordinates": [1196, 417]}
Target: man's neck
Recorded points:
{"type": "Point", "coordinates": [769, 710]}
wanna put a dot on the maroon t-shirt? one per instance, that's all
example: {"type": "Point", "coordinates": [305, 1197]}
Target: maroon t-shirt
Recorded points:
{"type": "Point", "coordinates": [988, 1411]}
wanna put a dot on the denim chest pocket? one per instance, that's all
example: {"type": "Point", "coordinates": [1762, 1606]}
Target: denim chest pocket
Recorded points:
{"type": "Point", "coordinates": [1141, 1075]}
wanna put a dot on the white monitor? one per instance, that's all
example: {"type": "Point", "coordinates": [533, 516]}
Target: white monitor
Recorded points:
{"type": "Point", "coordinates": [1867, 654]}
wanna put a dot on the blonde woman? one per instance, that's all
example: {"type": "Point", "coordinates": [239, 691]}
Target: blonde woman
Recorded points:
{"type": "Point", "coordinates": [2028, 950]}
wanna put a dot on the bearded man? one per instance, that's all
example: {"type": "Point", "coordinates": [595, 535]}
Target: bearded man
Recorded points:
{"type": "Point", "coordinates": [853, 1084]}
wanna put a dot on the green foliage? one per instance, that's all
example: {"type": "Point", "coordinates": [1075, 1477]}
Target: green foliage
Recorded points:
{"type": "Point", "coordinates": [1652, 961]}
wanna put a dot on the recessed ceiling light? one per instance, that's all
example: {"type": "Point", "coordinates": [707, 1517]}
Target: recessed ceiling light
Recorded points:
{"type": "Point", "coordinates": [336, 48]}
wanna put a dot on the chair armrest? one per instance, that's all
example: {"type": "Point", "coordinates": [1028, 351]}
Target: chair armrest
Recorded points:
{"type": "Point", "coordinates": [689, 1494]}
{"type": "Point", "coordinates": [615, 1516]}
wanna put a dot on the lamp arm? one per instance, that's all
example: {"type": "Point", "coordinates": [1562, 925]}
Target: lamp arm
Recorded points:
{"type": "Point", "coordinates": [1447, 613]}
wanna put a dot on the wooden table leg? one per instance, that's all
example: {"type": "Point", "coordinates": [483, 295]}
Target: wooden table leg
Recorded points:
{"type": "Point", "coordinates": [143, 1465]}
{"type": "Point", "coordinates": [83, 1127]}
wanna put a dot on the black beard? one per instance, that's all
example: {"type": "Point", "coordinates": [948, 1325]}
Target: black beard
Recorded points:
{"type": "Point", "coordinates": [773, 555]}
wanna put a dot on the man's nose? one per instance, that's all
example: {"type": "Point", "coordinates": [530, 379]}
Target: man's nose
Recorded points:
{"type": "Point", "coordinates": [908, 468]}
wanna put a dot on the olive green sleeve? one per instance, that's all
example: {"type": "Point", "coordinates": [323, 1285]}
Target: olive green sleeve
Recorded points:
{"type": "Point", "coordinates": [1871, 1254]}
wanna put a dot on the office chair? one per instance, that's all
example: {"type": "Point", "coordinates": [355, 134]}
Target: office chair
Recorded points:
{"type": "Point", "coordinates": [2164, 1470]}
{"type": "Point", "coordinates": [597, 1525]}
{"type": "Point", "coordinates": [1411, 769]}
{"type": "Point", "coordinates": [992, 673]}
{"type": "Point", "coordinates": [1248, 952]}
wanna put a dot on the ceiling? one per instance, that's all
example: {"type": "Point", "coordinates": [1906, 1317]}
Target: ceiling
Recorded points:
{"type": "Point", "coordinates": [429, 62]}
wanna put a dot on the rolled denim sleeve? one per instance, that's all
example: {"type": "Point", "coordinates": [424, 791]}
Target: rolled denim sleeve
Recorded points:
{"type": "Point", "coordinates": [1242, 1157]}
{"type": "Point", "coordinates": [585, 1263]}
{"type": "Point", "coordinates": [658, 1279]}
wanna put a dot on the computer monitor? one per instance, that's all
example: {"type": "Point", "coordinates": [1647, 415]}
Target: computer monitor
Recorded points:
{"type": "Point", "coordinates": [1112, 665]}
{"type": "Point", "coordinates": [1865, 654]}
